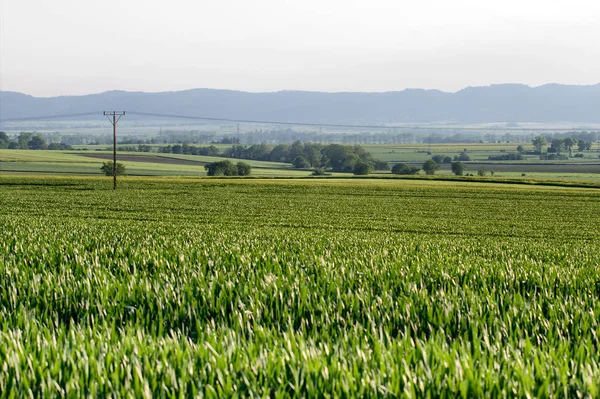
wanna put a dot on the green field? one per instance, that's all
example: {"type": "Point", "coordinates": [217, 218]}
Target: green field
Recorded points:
{"type": "Point", "coordinates": [82, 163]}
{"type": "Point", "coordinates": [297, 288]}
{"type": "Point", "coordinates": [477, 151]}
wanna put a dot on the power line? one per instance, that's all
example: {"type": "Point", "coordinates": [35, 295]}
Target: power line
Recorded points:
{"type": "Point", "coordinates": [346, 126]}
{"type": "Point", "coordinates": [46, 117]}
{"type": "Point", "coordinates": [312, 124]}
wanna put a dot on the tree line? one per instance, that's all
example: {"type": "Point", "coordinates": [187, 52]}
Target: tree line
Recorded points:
{"type": "Point", "coordinates": [560, 145]}
{"type": "Point", "coordinates": [227, 168]}
{"type": "Point", "coordinates": [335, 157]}
{"type": "Point", "coordinates": [29, 141]}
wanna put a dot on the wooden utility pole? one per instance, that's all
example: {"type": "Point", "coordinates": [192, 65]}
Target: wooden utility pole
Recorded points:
{"type": "Point", "coordinates": [114, 121]}
{"type": "Point", "coordinates": [429, 141]}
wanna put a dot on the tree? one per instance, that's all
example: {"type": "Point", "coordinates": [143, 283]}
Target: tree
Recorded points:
{"type": "Point", "coordinates": [520, 149]}
{"type": "Point", "coordinates": [430, 167]}
{"type": "Point", "coordinates": [569, 143]}
{"type": "Point", "coordinates": [583, 145]}
{"type": "Point", "coordinates": [107, 168]}
{"type": "Point", "coordinates": [539, 142]}
{"type": "Point", "coordinates": [296, 149]}
{"type": "Point", "coordinates": [301, 163]}
{"type": "Point", "coordinates": [458, 168]}
{"type": "Point", "coordinates": [438, 158]}
{"type": "Point", "coordinates": [382, 165]}
{"type": "Point", "coordinates": [335, 156]}
{"type": "Point", "coordinates": [221, 168]}
{"type": "Point", "coordinates": [59, 146]}
{"type": "Point", "coordinates": [37, 142]}
{"type": "Point", "coordinates": [312, 153]}
{"type": "Point", "coordinates": [4, 140]}
{"type": "Point", "coordinates": [362, 168]}
{"type": "Point", "coordinates": [243, 169]}
{"type": "Point", "coordinates": [404, 169]}
{"type": "Point", "coordinates": [24, 139]}
{"type": "Point", "coordinates": [463, 157]}
{"type": "Point", "coordinates": [279, 153]}
{"type": "Point", "coordinates": [177, 149]}
{"type": "Point", "coordinates": [447, 159]}
{"type": "Point", "coordinates": [557, 145]}
{"type": "Point", "coordinates": [212, 151]}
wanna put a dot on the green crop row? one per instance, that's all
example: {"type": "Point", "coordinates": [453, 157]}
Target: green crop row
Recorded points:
{"type": "Point", "coordinates": [249, 288]}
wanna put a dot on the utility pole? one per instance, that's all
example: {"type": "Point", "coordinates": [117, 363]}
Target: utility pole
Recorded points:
{"type": "Point", "coordinates": [113, 122]}
{"type": "Point", "coordinates": [429, 141]}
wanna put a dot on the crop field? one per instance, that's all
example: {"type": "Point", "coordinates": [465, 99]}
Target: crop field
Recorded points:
{"type": "Point", "coordinates": [297, 288]}
{"type": "Point", "coordinates": [89, 162]}
{"type": "Point", "coordinates": [477, 151]}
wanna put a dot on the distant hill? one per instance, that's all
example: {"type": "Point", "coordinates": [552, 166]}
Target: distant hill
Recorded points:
{"type": "Point", "coordinates": [496, 103]}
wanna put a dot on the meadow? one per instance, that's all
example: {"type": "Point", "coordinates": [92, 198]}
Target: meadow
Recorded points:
{"type": "Point", "coordinates": [87, 160]}
{"type": "Point", "coordinates": [297, 288]}
{"type": "Point", "coordinates": [35, 162]}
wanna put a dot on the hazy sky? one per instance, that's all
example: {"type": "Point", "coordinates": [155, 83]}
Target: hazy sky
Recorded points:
{"type": "Point", "coordinates": [81, 46]}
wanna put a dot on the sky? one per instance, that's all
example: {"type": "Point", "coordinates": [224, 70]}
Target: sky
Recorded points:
{"type": "Point", "coordinates": [73, 47]}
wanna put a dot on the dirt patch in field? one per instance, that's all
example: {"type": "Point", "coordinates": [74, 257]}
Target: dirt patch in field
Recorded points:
{"type": "Point", "coordinates": [145, 158]}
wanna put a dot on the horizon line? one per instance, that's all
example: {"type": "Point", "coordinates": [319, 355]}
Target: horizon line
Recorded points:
{"type": "Point", "coordinates": [300, 91]}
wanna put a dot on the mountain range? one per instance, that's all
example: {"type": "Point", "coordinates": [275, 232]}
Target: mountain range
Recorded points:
{"type": "Point", "coordinates": [549, 103]}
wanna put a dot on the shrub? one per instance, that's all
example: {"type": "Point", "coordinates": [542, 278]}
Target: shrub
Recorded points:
{"type": "Point", "coordinates": [59, 146]}
{"type": "Point", "coordinates": [382, 165]}
{"type": "Point", "coordinates": [362, 168]}
{"type": "Point", "coordinates": [320, 172]}
{"type": "Point", "coordinates": [301, 163]}
{"type": "Point", "coordinates": [438, 158]}
{"type": "Point", "coordinates": [243, 169]}
{"type": "Point", "coordinates": [404, 169]}
{"type": "Point", "coordinates": [430, 167]}
{"type": "Point", "coordinates": [107, 168]}
{"type": "Point", "coordinates": [513, 156]}
{"type": "Point", "coordinates": [222, 168]}
{"type": "Point", "coordinates": [463, 157]}
{"type": "Point", "coordinates": [458, 168]}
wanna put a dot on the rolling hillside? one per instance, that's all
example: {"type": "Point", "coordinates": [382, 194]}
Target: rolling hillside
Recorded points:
{"type": "Point", "coordinates": [496, 103]}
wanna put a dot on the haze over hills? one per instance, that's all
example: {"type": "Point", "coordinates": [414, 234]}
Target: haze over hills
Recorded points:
{"type": "Point", "coordinates": [497, 103]}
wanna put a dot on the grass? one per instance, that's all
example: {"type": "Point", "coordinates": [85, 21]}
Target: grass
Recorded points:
{"type": "Point", "coordinates": [254, 288]}
{"type": "Point", "coordinates": [207, 159]}
{"type": "Point", "coordinates": [477, 152]}
{"type": "Point", "coordinates": [69, 162]}
{"type": "Point", "coordinates": [41, 156]}
{"type": "Point", "coordinates": [75, 162]}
